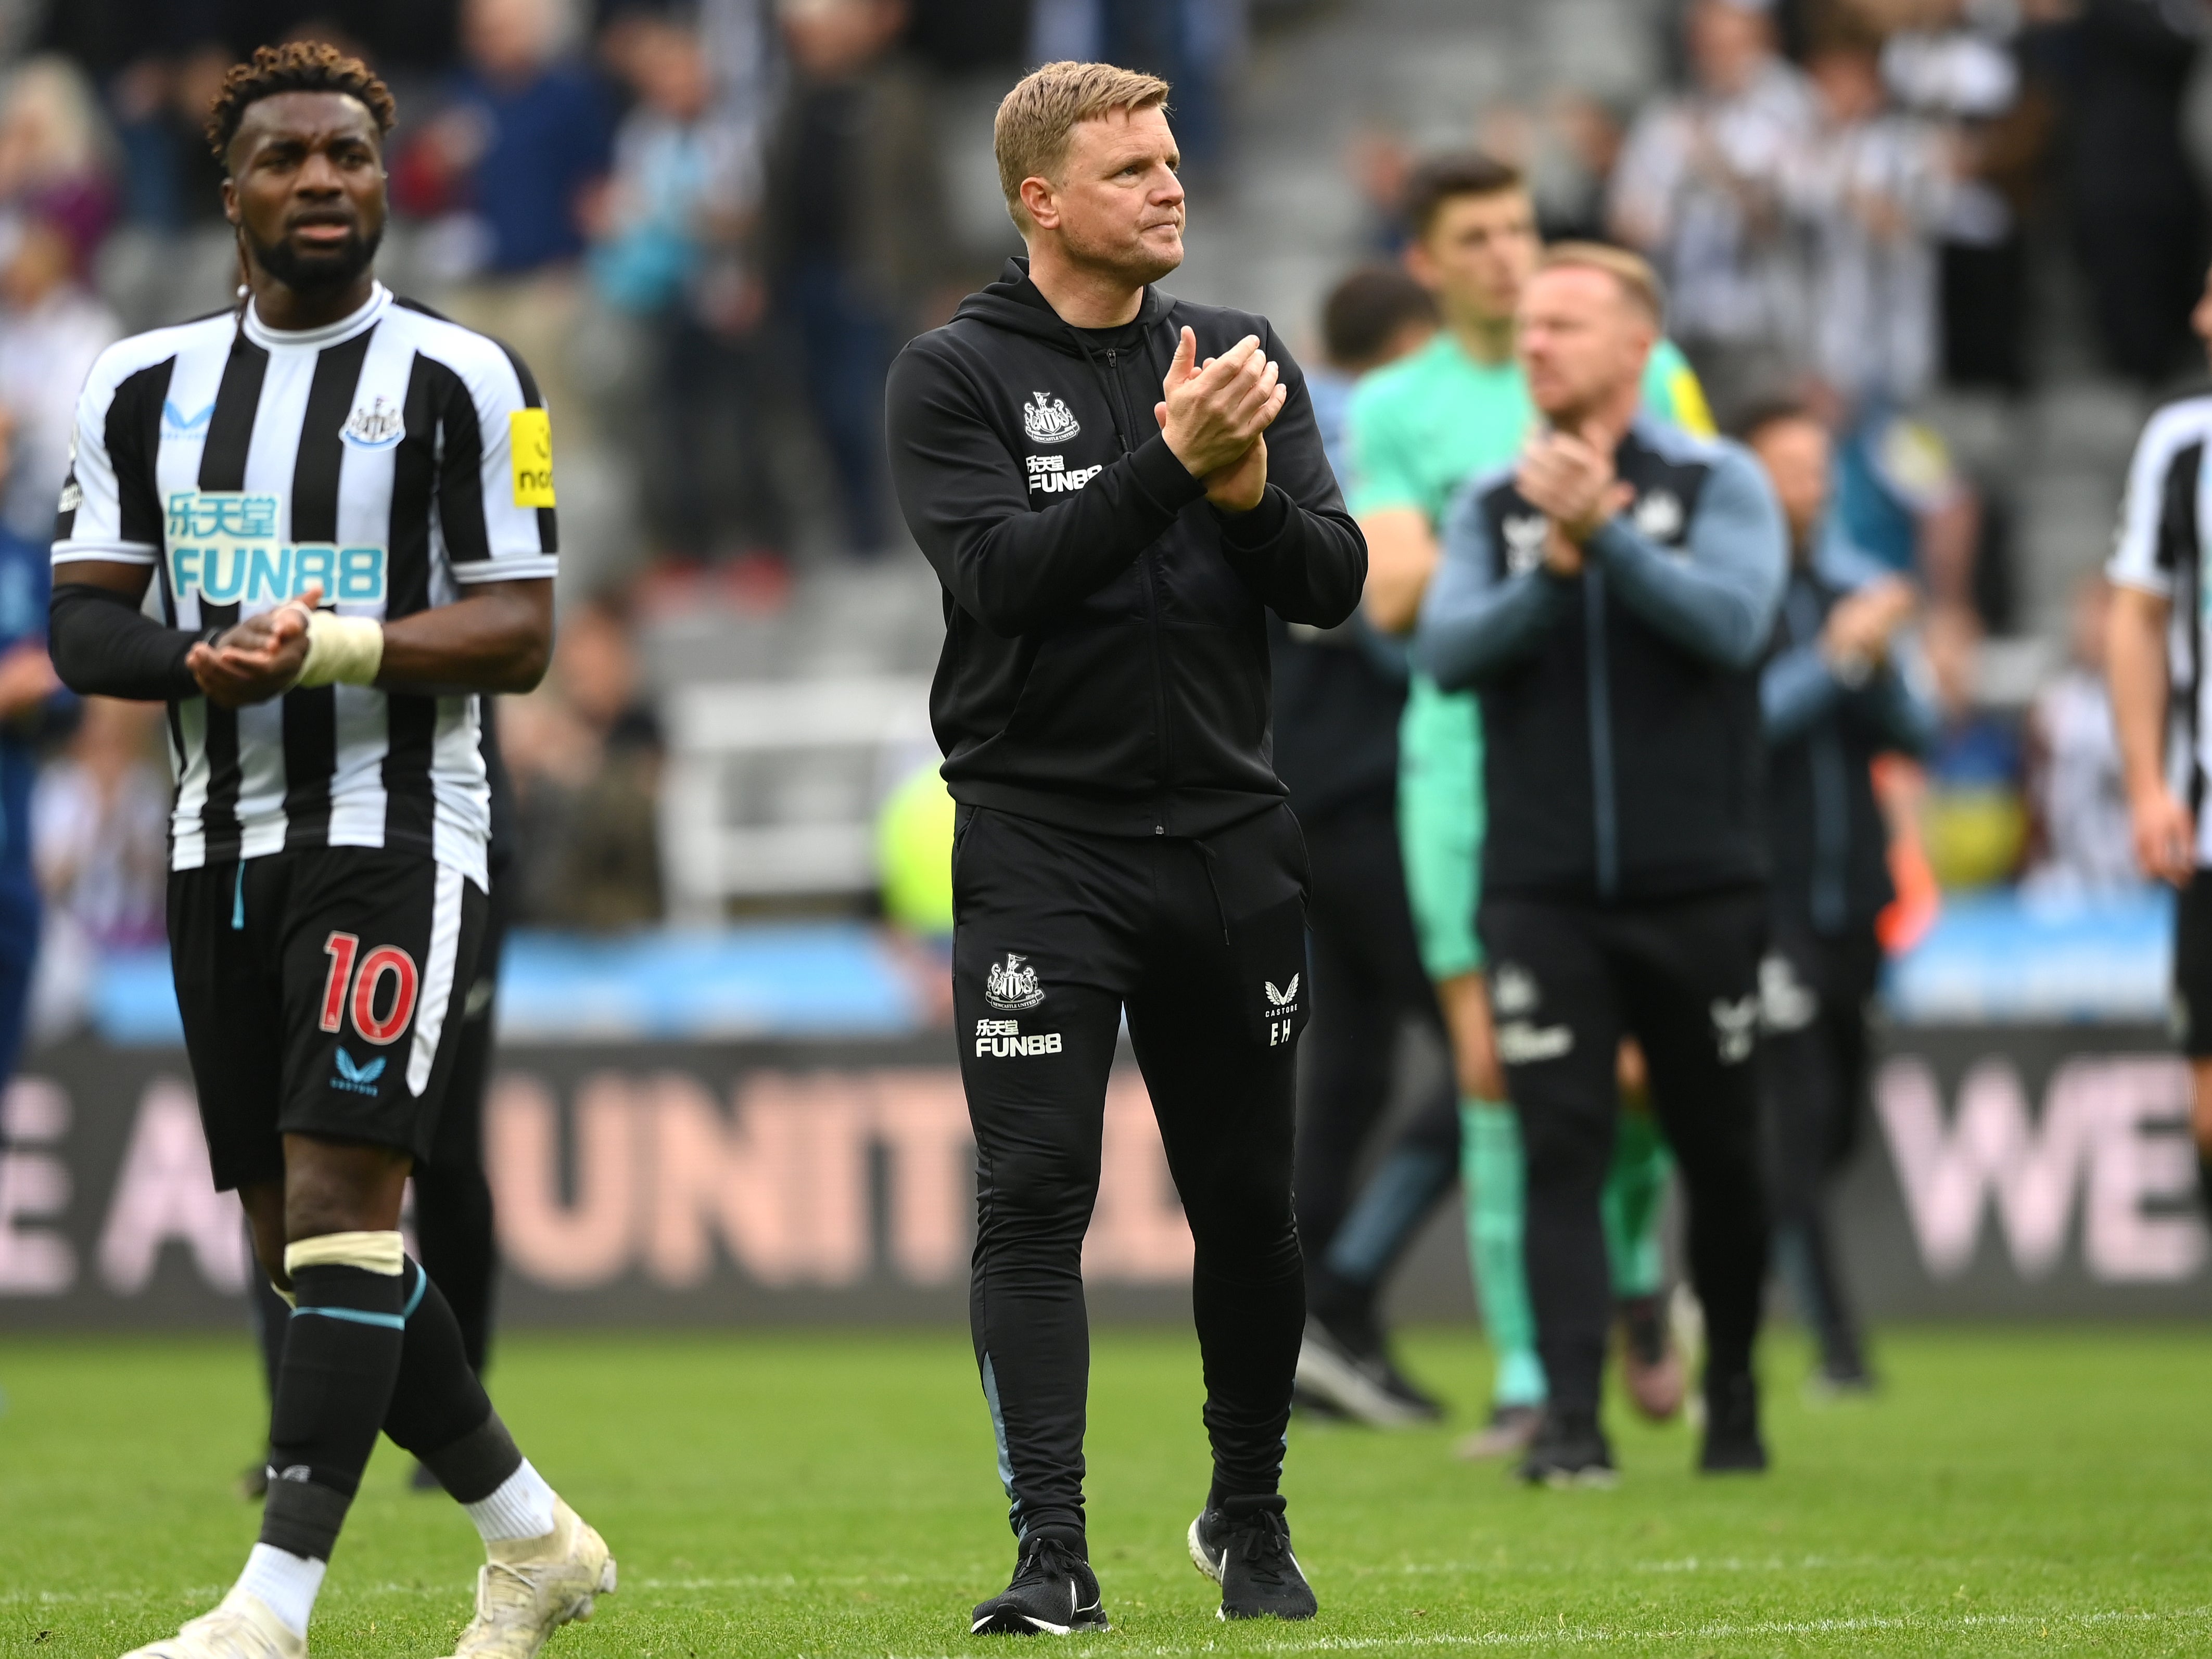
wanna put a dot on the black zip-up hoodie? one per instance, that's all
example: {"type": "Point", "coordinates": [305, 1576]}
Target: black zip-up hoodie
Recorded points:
{"type": "Point", "coordinates": [1105, 663]}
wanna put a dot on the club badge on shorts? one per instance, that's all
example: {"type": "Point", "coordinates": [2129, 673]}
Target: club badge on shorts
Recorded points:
{"type": "Point", "coordinates": [1013, 985]}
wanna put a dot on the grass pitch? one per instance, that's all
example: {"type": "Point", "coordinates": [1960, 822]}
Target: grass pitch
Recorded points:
{"type": "Point", "coordinates": [809, 1494]}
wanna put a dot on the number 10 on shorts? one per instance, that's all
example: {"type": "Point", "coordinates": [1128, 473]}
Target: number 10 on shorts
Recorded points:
{"type": "Point", "coordinates": [367, 984]}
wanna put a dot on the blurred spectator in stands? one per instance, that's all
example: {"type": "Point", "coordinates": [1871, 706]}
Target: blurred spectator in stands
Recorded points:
{"type": "Point", "coordinates": [1871, 186]}
{"type": "Point", "coordinates": [1380, 163]}
{"type": "Point", "coordinates": [57, 155]}
{"type": "Point", "coordinates": [171, 179]}
{"type": "Point", "coordinates": [51, 330]}
{"type": "Point", "coordinates": [583, 751]}
{"type": "Point", "coordinates": [1959, 62]}
{"type": "Point", "coordinates": [854, 233]}
{"type": "Point", "coordinates": [1192, 45]}
{"type": "Point", "coordinates": [667, 230]}
{"type": "Point", "coordinates": [1570, 173]}
{"type": "Point", "coordinates": [1375, 315]}
{"type": "Point", "coordinates": [2083, 845]}
{"type": "Point", "coordinates": [1832, 704]}
{"type": "Point", "coordinates": [1901, 498]}
{"type": "Point", "coordinates": [100, 841]}
{"type": "Point", "coordinates": [914, 875]}
{"type": "Point", "coordinates": [1566, 146]}
{"type": "Point", "coordinates": [101, 826]}
{"type": "Point", "coordinates": [2138, 210]}
{"type": "Point", "coordinates": [914, 858]}
{"type": "Point", "coordinates": [1699, 189]}
{"type": "Point", "coordinates": [1973, 821]}
{"type": "Point", "coordinates": [504, 168]}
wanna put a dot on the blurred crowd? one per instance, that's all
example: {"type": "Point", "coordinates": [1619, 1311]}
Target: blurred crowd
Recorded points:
{"type": "Point", "coordinates": [1852, 202]}
{"type": "Point", "coordinates": [709, 226]}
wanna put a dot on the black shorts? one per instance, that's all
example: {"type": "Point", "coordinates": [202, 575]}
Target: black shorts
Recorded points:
{"type": "Point", "coordinates": [2192, 969]}
{"type": "Point", "coordinates": [322, 992]}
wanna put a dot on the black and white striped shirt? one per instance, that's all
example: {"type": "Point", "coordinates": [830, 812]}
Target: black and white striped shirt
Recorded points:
{"type": "Point", "coordinates": [393, 456]}
{"type": "Point", "coordinates": [2159, 549]}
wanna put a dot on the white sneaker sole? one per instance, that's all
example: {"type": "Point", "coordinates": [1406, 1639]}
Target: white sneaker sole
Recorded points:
{"type": "Point", "coordinates": [1200, 1559]}
{"type": "Point", "coordinates": [991, 1626]}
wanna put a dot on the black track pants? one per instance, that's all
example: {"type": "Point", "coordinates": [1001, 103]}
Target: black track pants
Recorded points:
{"type": "Point", "coordinates": [1056, 933]}
{"type": "Point", "coordinates": [1813, 1061]}
{"type": "Point", "coordinates": [1369, 982]}
{"type": "Point", "coordinates": [1568, 980]}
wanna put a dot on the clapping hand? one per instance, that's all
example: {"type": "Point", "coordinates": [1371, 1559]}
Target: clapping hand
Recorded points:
{"type": "Point", "coordinates": [1570, 482]}
{"type": "Point", "coordinates": [260, 658]}
{"type": "Point", "coordinates": [1859, 630]}
{"type": "Point", "coordinates": [1213, 414]}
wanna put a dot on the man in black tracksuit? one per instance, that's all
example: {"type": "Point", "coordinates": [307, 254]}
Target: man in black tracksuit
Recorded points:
{"type": "Point", "coordinates": [1339, 696]}
{"type": "Point", "coordinates": [1080, 457]}
{"type": "Point", "coordinates": [1608, 600]}
{"type": "Point", "coordinates": [1831, 701]}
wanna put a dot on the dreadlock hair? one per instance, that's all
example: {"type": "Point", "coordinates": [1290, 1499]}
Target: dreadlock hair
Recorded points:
{"type": "Point", "coordinates": [295, 66]}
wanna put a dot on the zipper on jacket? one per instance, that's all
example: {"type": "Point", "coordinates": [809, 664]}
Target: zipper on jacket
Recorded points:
{"type": "Point", "coordinates": [1122, 429]}
{"type": "Point", "coordinates": [1604, 811]}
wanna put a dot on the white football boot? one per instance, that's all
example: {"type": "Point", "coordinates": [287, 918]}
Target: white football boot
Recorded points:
{"type": "Point", "coordinates": [241, 1627]}
{"type": "Point", "coordinates": [532, 1586]}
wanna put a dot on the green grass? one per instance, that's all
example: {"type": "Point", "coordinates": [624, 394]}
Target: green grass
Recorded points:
{"type": "Point", "coordinates": [2015, 1491]}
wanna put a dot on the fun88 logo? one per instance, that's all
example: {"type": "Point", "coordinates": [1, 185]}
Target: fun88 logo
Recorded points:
{"type": "Point", "coordinates": [223, 545]}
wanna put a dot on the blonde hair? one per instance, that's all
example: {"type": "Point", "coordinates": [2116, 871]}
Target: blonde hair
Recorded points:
{"type": "Point", "coordinates": [1639, 283]}
{"type": "Point", "coordinates": [1037, 118]}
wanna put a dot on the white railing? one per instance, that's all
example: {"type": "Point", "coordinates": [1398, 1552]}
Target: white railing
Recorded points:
{"type": "Point", "coordinates": [772, 786]}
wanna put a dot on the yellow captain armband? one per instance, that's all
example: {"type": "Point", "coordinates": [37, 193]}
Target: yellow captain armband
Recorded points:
{"type": "Point", "coordinates": [341, 651]}
{"type": "Point", "coordinates": [530, 450]}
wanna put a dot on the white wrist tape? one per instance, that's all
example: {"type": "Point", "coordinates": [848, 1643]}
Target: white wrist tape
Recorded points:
{"type": "Point", "coordinates": [375, 1253]}
{"type": "Point", "coordinates": [341, 651]}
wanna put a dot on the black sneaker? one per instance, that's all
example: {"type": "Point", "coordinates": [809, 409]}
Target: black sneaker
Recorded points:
{"type": "Point", "coordinates": [1344, 1314]}
{"type": "Point", "coordinates": [1246, 1549]}
{"type": "Point", "coordinates": [1732, 1442]}
{"type": "Point", "coordinates": [1361, 1385]}
{"type": "Point", "coordinates": [1054, 1593]}
{"type": "Point", "coordinates": [1569, 1449]}
{"type": "Point", "coordinates": [1306, 1403]}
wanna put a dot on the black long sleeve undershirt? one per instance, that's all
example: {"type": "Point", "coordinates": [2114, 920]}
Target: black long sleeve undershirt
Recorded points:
{"type": "Point", "coordinates": [104, 646]}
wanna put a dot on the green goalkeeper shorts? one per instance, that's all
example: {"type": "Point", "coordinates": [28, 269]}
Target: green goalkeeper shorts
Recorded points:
{"type": "Point", "coordinates": [1440, 823]}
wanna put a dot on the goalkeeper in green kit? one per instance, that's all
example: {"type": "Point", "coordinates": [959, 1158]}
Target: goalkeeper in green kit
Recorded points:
{"type": "Point", "coordinates": [1419, 430]}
